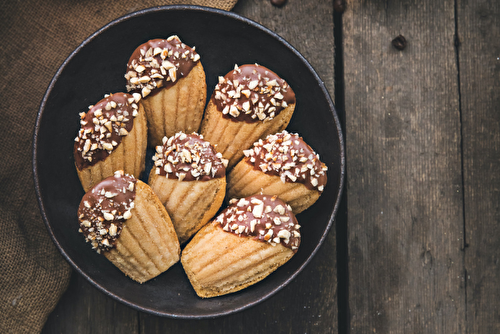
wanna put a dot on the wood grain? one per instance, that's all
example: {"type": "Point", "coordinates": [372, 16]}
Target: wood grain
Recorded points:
{"type": "Point", "coordinates": [85, 310]}
{"type": "Point", "coordinates": [479, 62]}
{"type": "Point", "coordinates": [404, 168]}
{"type": "Point", "coordinates": [306, 25]}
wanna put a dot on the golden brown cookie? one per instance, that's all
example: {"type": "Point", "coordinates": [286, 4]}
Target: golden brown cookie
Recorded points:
{"type": "Point", "coordinates": [283, 165]}
{"type": "Point", "coordinates": [245, 243]}
{"type": "Point", "coordinates": [124, 220]}
{"type": "Point", "coordinates": [169, 77]}
{"type": "Point", "coordinates": [189, 178]}
{"type": "Point", "coordinates": [249, 103]}
{"type": "Point", "coordinates": [112, 137]}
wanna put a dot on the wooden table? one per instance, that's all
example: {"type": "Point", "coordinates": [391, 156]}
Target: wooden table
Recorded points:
{"type": "Point", "coordinates": [416, 245]}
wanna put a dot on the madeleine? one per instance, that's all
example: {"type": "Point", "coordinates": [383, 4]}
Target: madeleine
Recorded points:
{"type": "Point", "coordinates": [244, 244]}
{"type": "Point", "coordinates": [112, 137]}
{"type": "Point", "coordinates": [249, 103]}
{"type": "Point", "coordinates": [123, 219]}
{"type": "Point", "coordinates": [169, 78]}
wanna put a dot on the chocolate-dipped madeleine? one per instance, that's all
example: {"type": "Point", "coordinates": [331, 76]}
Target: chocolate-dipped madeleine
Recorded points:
{"type": "Point", "coordinates": [124, 220]}
{"type": "Point", "coordinates": [245, 243]}
{"type": "Point", "coordinates": [189, 178]}
{"type": "Point", "coordinates": [112, 136]}
{"type": "Point", "coordinates": [283, 165]}
{"type": "Point", "coordinates": [249, 103]}
{"type": "Point", "coordinates": [169, 77]}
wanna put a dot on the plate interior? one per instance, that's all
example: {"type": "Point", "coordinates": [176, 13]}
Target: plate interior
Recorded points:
{"type": "Point", "coordinates": [97, 67]}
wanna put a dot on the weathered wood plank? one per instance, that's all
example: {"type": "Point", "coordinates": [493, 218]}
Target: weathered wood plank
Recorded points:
{"type": "Point", "coordinates": [306, 25]}
{"type": "Point", "coordinates": [479, 56]}
{"type": "Point", "coordinates": [308, 304]}
{"type": "Point", "coordinates": [404, 168]}
{"type": "Point", "coordinates": [298, 308]}
{"type": "Point", "coordinates": [84, 309]}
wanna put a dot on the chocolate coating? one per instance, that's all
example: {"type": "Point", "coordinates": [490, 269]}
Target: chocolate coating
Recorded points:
{"type": "Point", "coordinates": [252, 93]}
{"type": "Point", "coordinates": [266, 218]}
{"type": "Point", "coordinates": [289, 157]}
{"type": "Point", "coordinates": [104, 209]}
{"type": "Point", "coordinates": [159, 63]}
{"type": "Point", "coordinates": [102, 128]}
{"type": "Point", "coordinates": [189, 158]}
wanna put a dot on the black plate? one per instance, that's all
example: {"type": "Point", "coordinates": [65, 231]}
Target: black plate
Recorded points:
{"type": "Point", "coordinates": [97, 66]}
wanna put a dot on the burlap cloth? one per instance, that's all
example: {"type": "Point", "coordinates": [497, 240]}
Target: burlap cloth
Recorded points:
{"type": "Point", "coordinates": [35, 38]}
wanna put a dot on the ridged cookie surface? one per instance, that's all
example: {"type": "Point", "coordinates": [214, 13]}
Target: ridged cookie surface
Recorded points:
{"type": "Point", "coordinates": [249, 103]}
{"type": "Point", "coordinates": [124, 220]}
{"type": "Point", "coordinates": [113, 136]}
{"type": "Point", "coordinates": [283, 165]}
{"type": "Point", "coordinates": [245, 243]}
{"type": "Point", "coordinates": [169, 77]}
{"type": "Point", "coordinates": [189, 178]}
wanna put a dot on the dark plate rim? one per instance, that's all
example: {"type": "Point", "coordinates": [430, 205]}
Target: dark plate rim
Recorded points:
{"type": "Point", "coordinates": [245, 21]}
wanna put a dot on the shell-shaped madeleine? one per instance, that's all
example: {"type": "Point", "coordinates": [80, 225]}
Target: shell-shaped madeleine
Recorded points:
{"type": "Point", "coordinates": [170, 78]}
{"type": "Point", "coordinates": [248, 103]}
{"type": "Point", "coordinates": [112, 136]}
{"type": "Point", "coordinates": [245, 243]}
{"type": "Point", "coordinates": [122, 219]}
{"type": "Point", "coordinates": [283, 165]}
{"type": "Point", "coordinates": [189, 178]}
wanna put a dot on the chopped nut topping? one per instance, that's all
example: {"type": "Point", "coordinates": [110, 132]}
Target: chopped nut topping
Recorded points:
{"type": "Point", "coordinates": [102, 128]}
{"type": "Point", "coordinates": [289, 157]}
{"type": "Point", "coordinates": [159, 63]}
{"type": "Point", "coordinates": [249, 93]}
{"type": "Point", "coordinates": [104, 208]}
{"type": "Point", "coordinates": [251, 217]}
{"type": "Point", "coordinates": [188, 158]}
{"type": "Point", "coordinates": [127, 214]}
